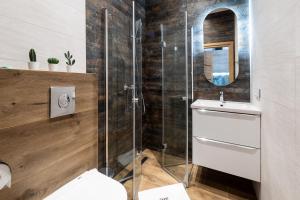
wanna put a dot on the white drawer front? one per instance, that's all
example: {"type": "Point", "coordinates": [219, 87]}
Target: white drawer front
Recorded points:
{"type": "Point", "coordinates": [228, 158]}
{"type": "Point", "coordinates": [234, 128]}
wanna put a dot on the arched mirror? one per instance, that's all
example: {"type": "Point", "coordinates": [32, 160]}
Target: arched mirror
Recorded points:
{"type": "Point", "coordinates": [220, 47]}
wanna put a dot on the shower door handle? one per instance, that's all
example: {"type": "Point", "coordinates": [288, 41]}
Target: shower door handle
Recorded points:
{"type": "Point", "coordinates": [135, 100]}
{"type": "Point", "coordinates": [129, 89]}
{"type": "Point", "coordinates": [134, 94]}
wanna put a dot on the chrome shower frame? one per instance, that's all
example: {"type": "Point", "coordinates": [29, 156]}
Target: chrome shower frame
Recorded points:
{"type": "Point", "coordinates": [107, 170]}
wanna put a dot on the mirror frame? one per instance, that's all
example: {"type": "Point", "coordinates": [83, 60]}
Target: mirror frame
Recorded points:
{"type": "Point", "coordinates": [230, 45]}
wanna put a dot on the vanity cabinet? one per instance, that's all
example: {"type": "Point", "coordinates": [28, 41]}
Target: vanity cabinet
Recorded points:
{"type": "Point", "coordinates": [227, 139]}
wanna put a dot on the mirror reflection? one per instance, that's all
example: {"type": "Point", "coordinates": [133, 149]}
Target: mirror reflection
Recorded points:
{"type": "Point", "coordinates": [220, 45]}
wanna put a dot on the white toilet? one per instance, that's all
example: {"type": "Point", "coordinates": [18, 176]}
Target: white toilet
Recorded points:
{"type": "Point", "coordinates": [91, 185]}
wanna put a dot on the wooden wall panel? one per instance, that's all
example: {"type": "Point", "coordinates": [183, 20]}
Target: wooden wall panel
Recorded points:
{"type": "Point", "coordinates": [45, 153]}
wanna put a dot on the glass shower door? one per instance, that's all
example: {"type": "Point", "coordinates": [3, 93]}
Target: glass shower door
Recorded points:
{"type": "Point", "coordinates": [137, 98]}
{"type": "Point", "coordinates": [118, 102]}
{"type": "Point", "coordinates": [124, 100]}
{"type": "Point", "coordinates": [175, 99]}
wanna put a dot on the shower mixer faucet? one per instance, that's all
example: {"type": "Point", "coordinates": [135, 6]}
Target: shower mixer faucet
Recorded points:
{"type": "Point", "coordinates": [126, 87]}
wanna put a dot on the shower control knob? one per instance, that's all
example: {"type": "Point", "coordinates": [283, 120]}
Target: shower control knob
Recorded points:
{"type": "Point", "coordinates": [163, 44]}
{"type": "Point", "coordinates": [126, 87]}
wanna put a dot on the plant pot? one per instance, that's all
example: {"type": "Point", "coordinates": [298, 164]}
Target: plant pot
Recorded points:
{"type": "Point", "coordinates": [33, 65]}
{"type": "Point", "coordinates": [53, 67]}
{"type": "Point", "coordinates": [69, 68]}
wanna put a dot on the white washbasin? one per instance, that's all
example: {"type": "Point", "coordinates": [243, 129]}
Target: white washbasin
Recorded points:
{"type": "Point", "coordinates": [228, 106]}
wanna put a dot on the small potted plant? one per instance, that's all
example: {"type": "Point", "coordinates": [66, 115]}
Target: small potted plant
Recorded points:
{"type": "Point", "coordinates": [70, 62]}
{"type": "Point", "coordinates": [33, 64]}
{"type": "Point", "coordinates": [53, 64]}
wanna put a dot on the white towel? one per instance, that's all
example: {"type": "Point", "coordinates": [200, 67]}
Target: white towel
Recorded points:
{"type": "Point", "coordinates": [171, 192]}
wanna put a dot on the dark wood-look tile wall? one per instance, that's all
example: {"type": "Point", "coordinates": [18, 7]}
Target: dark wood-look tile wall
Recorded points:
{"type": "Point", "coordinates": [239, 90]}
{"type": "Point", "coordinates": [171, 14]}
{"type": "Point", "coordinates": [219, 27]}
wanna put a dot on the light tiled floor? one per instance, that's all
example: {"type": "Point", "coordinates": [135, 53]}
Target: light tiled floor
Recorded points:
{"type": "Point", "coordinates": [205, 184]}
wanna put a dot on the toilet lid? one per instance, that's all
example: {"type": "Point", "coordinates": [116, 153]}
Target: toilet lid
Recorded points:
{"type": "Point", "coordinates": [91, 185]}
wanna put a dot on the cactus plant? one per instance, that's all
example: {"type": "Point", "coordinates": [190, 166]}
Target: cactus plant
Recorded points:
{"type": "Point", "coordinates": [33, 64]}
{"type": "Point", "coordinates": [53, 61]}
{"type": "Point", "coordinates": [32, 55]}
{"type": "Point", "coordinates": [69, 57]}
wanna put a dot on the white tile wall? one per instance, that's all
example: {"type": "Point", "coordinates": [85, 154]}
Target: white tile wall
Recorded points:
{"type": "Point", "coordinates": [297, 141]}
{"type": "Point", "coordinates": [276, 71]}
{"type": "Point", "coordinates": [50, 26]}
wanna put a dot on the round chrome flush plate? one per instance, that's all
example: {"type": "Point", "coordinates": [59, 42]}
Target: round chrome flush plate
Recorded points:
{"type": "Point", "coordinates": [64, 100]}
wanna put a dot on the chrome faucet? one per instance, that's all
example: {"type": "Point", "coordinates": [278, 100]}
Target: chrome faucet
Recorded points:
{"type": "Point", "coordinates": [222, 98]}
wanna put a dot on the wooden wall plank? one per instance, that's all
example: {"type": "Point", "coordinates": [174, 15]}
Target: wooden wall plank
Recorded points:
{"type": "Point", "coordinates": [39, 185]}
{"type": "Point", "coordinates": [44, 153]}
{"type": "Point", "coordinates": [32, 99]}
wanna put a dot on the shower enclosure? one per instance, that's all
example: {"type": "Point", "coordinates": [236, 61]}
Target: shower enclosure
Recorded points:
{"type": "Point", "coordinates": [124, 98]}
{"type": "Point", "coordinates": [173, 37]}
